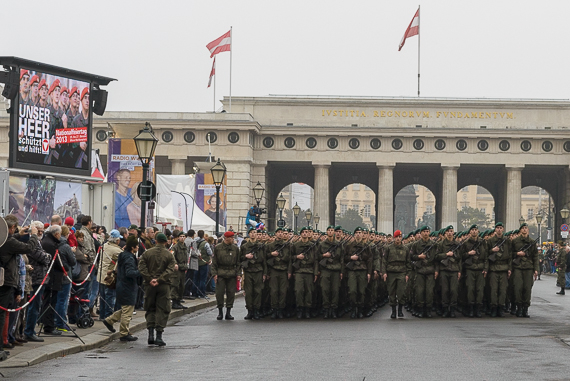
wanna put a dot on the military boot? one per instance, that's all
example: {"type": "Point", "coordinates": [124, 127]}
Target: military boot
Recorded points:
{"type": "Point", "coordinates": [525, 312]}
{"type": "Point", "coordinates": [446, 312]}
{"type": "Point", "coordinates": [428, 312]}
{"type": "Point", "coordinates": [279, 313]}
{"type": "Point", "coordinates": [307, 313]}
{"type": "Point", "coordinates": [400, 313]}
{"type": "Point", "coordinates": [452, 312]}
{"type": "Point", "coordinates": [229, 314]}
{"type": "Point", "coordinates": [513, 309]}
{"type": "Point", "coordinates": [420, 312]}
{"type": "Point", "coordinates": [393, 316]}
{"type": "Point", "coordinates": [561, 292]}
{"type": "Point", "coordinates": [500, 312]}
{"type": "Point", "coordinates": [354, 313]}
{"type": "Point", "coordinates": [299, 313]}
{"type": "Point", "coordinates": [256, 315]}
{"type": "Point", "coordinates": [249, 315]}
{"type": "Point", "coordinates": [478, 311]}
{"type": "Point", "coordinates": [220, 314]}
{"type": "Point", "coordinates": [493, 311]}
{"type": "Point", "coordinates": [519, 311]}
{"type": "Point", "coordinates": [359, 313]}
{"type": "Point", "coordinates": [326, 313]}
{"type": "Point", "coordinates": [159, 340]}
{"type": "Point", "coordinates": [333, 313]}
{"type": "Point", "coordinates": [274, 314]}
{"type": "Point", "coordinates": [150, 340]}
{"type": "Point", "coordinates": [470, 311]}
{"type": "Point", "coordinates": [369, 313]}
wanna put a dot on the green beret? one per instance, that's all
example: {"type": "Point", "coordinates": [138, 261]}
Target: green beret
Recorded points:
{"type": "Point", "coordinates": [330, 227]}
{"type": "Point", "coordinates": [498, 224]}
{"type": "Point", "coordinates": [161, 237]}
{"type": "Point", "coordinates": [425, 227]}
{"type": "Point", "coordinates": [133, 226]}
{"type": "Point", "coordinates": [304, 228]}
{"type": "Point", "coordinates": [516, 231]}
{"type": "Point", "coordinates": [474, 226]}
{"type": "Point", "coordinates": [338, 227]}
{"type": "Point", "coordinates": [276, 230]}
{"type": "Point", "coordinates": [448, 227]}
{"type": "Point", "coordinates": [250, 229]}
{"type": "Point", "coordinates": [523, 225]}
{"type": "Point", "coordinates": [358, 229]}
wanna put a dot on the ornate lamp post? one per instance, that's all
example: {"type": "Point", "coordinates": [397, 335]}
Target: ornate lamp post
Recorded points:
{"type": "Point", "coordinates": [296, 210]}
{"type": "Point", "coordinates": [521, 220]}
{"type": "Point", "coordinates": [146, 143]}
{"type": "Point", "coordinates": [538, 221]}
{"type": "Point", "coordinates": [564, 213]}
{"type": "Point", "coordinates": [218, 174]}
{"type": "Point", "coordinates": [308, 216]}
{"type": "Point", "coordinates": [281, 205]}
{"type": "Point", "coordinates": [258, 190]}
{"type": "Point", "coordinates": [317, 219]}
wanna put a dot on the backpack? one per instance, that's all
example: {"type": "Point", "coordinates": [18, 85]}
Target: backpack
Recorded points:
{"type": "Point", "coordinates": [76, 271]}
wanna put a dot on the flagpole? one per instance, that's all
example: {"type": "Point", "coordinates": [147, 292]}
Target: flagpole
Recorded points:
{"type": "Point", "coordinates": [231, 51]}
{"type": "Point", "coordinates": [418, 51]}
{"type": "Point", "coordinates": [214, 84]}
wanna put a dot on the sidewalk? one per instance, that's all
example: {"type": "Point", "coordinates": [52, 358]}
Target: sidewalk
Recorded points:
{"type": "Point", "coordinates": [94, 337]}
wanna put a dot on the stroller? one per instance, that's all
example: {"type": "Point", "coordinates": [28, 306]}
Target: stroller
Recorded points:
{"type": "Point", "coordinates": [79, 309]}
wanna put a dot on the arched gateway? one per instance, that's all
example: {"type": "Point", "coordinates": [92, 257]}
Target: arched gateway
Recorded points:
{"type": "Point", "coordinates": [386, 144]}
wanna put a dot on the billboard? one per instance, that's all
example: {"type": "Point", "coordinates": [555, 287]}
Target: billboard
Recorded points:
{"type": "Point", "coordinates": [52, 126]}
{"type": "Point", "coordinates": [206, 197]}
{"type": "Point", "coordinates": [125, 170]}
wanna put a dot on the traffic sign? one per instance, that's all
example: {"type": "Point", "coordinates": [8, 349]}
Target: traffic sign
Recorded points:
{"type": "Point", "coordinates": [564, 234]}
{"type": "Point", "coordinates": [146, 191]}
{"type": "Point", "coordinates": [564, 227]}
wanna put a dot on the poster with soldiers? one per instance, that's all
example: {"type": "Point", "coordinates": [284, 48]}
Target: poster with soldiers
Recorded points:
{"type": "Point", "coordinates": [125, 170]}
{"type": "Point", "coordinates": [67, 199]}
{"type": "Point", "coordinates": [53, 121]}
{"type": "Point", "coordinates": [31, 199]}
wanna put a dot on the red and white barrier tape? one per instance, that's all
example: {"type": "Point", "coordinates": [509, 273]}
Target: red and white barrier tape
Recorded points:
{"type": "Point", "coordinates": [88, 275]}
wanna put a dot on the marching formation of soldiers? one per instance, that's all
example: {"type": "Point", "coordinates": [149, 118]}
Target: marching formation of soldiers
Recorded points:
{"type": "Point", "coordinates": [337, 272]}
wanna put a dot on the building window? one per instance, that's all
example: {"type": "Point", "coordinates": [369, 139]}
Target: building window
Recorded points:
{"type": "Point", "coordinates": [529, 214]}
{"type": "Point", "coordinates": [355, 207]}
{"type": "Point", "coordinates": [429, 209]}
{"type": "Point", "coordinates": [367, 211]}
{"type": "Point", "coordinates": [355, 186]}
{"type": "Point", "coordinates": [343, 209]}
{"type": "Point", "coordinates": [483, 210]}
{"type": "Point", "coordinates": [465, 189]}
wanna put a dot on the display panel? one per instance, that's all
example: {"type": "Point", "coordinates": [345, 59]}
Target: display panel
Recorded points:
{"type": "Point", "coordinates": [53, 123]}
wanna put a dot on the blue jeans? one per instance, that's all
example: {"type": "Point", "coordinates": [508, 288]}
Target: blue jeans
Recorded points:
{"type": "Point", "coordinates": [107, 303]}
{"type": "Point", "coordinates": [567, 280]}
{"type": "Point", "coordinates": [93, 290]}
{"type": "Point", "coordinates": [33, 312]}
{"type": "Point", "coordinates": [200, 278]}
{"type": "Point", "coordinates": [212, 282]}
{"type": "Point", "coordinates": [61, 305]}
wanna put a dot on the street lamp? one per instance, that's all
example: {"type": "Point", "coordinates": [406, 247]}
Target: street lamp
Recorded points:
{"type": "Point", "coordinates": [317, 219]}
{"type": "Point", "coordinates": [308, 216]}
{"type": "Point", "coordinates": [564, 214]}
{"type": "Point", "coordinates": [281, 205]}
{"type": "Point", "coordinates": [521, 220]}
{"type": "Point", "coordinates": [258, 190]}
{"type": "Point", "coordinates": [296, 210]}
{"type": "Point", "coordinates": [218, 173]}
{"type": "Point", "coordinates": [146, 143]}
{"type": "Point", "coordinates": [538, 221]}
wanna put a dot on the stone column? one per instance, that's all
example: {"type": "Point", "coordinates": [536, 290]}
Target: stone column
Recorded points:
{"type": "Point", "coordinates": [449, 197]}
{"type": "Point", "coordinates": [238, 191]}
{"type": "Point", "coordinates": [385, 199]}
{"type": "Point", "coordinates": [321, 204]}
{"type": "Point", "coordinates": [178, 166]}
{"type": "Point", "coordinates": [513, 204]}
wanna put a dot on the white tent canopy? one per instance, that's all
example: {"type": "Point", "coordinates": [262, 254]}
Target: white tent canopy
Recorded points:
{"type": "Point", "coordinates": [164, 210]}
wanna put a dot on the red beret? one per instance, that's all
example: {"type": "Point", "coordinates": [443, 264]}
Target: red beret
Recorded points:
{"type": "Point", "coordinates": [53, 86]}
{"type": "Point", "coordinates": [64, 90]}
{"type": "Point", "coordinates": [23, 72]}
{"type": "Point", "coordinates": [83, 92]}
{"type": "Point", "coordinates": [73, 91]}
{"type": "Point", "coordinates": [46, 225]}
{"type": "Point", "coordinates": [42, 83]}
{"type": "Point", "coordinates": [228, 234]}
{"type": "Point", "coordinates": [397, 233]}
{"type": "Point", "coordinates": [69, 221]}
{"type": "Point", "coordinates": [35, 78]}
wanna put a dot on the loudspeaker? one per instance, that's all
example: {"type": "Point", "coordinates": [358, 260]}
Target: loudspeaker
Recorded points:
{"type": "Point", "coordinates": [11, 82]}
{"type": "Point", "coordinates": [100, 101]}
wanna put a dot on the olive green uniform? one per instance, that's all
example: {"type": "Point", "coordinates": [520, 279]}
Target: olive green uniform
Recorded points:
{"type": "Point", "coordinates": [253, 271]}
{"type": "Point", "coordinates": [179, 276]}
{"type": "Point", "coordinates": [279, 267]}
{"type": "Point", "coordinates": [500, 263]}
{"type": "Point", "coordinates": [475, 265]}
{"type": "Point", "coordinates": [523, 269]}
{"type": "Point", "coordinates": [157, 263]}
{"type": "Point", "coordinates": [450, 267]}
{"type": "Point", "coordinates": [305, 271]}
{"type": "Point", "coordinates": [330, 269]}
{"type": "Point", "coordinates": [561, 264]}
{"type": "Point", "coordinates": [425, 271]}
{"type": "Point", "coordinates": [396, 263]}
{"type": "Point", "coordinates": [358, 271]}
{"type": "Point", "coordinates": [226, 266]}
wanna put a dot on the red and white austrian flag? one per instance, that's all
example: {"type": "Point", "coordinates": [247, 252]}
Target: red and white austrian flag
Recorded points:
{"type": "Point", "coordinates": [221, 44]}
{"type": "Point", "coordinates": [413, 29]}
{"type": "Point", "coordinates": [213, 72]}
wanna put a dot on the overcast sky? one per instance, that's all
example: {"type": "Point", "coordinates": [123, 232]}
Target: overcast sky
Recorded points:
{"type": "Point", "coordinates": [157, 49]}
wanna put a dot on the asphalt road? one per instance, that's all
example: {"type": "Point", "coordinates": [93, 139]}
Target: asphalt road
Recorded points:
{"type": "Point", "coordinates": [201, 348]}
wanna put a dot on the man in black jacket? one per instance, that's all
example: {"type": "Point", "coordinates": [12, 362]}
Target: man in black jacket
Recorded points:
{"type": "Point", "coordinates": [9, 255]}
{"type": "Point", "coordinates": [50, 243]}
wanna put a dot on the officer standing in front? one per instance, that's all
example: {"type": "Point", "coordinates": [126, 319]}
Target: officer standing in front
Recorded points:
{"type": "Point", "coordinates": [252, 260]}
{"type": "Point", "coordinates": [396, 270]}
{"type": "Point", "coordinates": [225, 270]}
{"type": "Point", "coordinates": [156, 266]}
{"type": "Point", "coordinates": [358, 262]}
{"type": "Point", "coordinates": [181, 256]}
{"type": "Point", "coordinates": [450, 271]}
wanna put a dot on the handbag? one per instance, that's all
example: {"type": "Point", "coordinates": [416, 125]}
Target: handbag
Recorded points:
{"type": "Point", "coordinates": [111, 279]}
